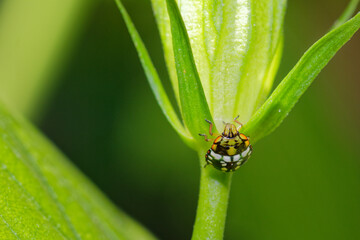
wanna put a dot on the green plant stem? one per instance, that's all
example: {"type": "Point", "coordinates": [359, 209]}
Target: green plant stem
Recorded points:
{"type": "Point", "coordinates": [213, 202]}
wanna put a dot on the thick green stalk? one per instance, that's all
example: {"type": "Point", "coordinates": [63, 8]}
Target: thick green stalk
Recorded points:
{"type": "Point", "coordinates": [213, 202]}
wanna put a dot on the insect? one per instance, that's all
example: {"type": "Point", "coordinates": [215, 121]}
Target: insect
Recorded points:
{"type": "Point", "coordinates": [229, 150]}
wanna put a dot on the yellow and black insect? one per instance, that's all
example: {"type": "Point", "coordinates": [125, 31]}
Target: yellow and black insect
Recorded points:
{"type": "Point", "coordinates": [229, 150]}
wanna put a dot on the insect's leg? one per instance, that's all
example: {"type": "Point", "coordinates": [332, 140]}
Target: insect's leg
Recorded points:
{"type": "Point", "coordinates": [240, 124]}
{"type": "Point", "coordinates": [210, 127]}
{"type": "Point", "coordinates": [205, 136]}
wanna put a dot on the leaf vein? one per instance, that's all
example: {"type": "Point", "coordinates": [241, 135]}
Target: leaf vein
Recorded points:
{"type": "Point", "coordinates": [33, 200]}
{"type": "Point", "coordinates": [8, 225]}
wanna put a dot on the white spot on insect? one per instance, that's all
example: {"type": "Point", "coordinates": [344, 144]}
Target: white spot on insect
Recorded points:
{"type": "Point", "coordinates": [227, 158]}
{"type": "Point", "coordinates": [236, 157]}
{"type": "Point", "coordinates": [223, 163]}
{"type": "Point", "coordinates": [215, 155]}
{"type": "Point", "coordinates": [244, 153]}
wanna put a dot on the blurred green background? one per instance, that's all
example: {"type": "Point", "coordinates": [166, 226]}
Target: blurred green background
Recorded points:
{"type": "Point", "coordinates": [303, 181]}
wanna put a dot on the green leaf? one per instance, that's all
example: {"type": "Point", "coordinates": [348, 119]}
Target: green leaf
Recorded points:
{"type": "Point", "coordinates": [153, 77]}
{"type": "Point", "coordinates": [235, 45]}
{"type": "Point", "coordinates": [262, 54]}
{"type": "Point", "coordinates": [285, 96]}
{"type": "Point", "coordinates": [270, 75]}
{"type": "Point", "coordinates": [43, 196]}
{"type": "Point", "coordinates": [192, 98]}
{"type": "Point", "coordinates": [348, 12]}
{"type": "Point", "coordinates": [198, 17]}
{"type": "Point", "coordinates": [163, 23]}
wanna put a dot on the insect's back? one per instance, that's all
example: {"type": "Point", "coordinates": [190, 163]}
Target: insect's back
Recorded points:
{"type": "Point", "coordinates": [229, 153]}
{"type": "Point", "coordinates": [227, 163]}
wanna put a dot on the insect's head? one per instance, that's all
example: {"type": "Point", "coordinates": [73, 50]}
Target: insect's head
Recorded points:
{"type": "Point", "coordinates": [230, 131]}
